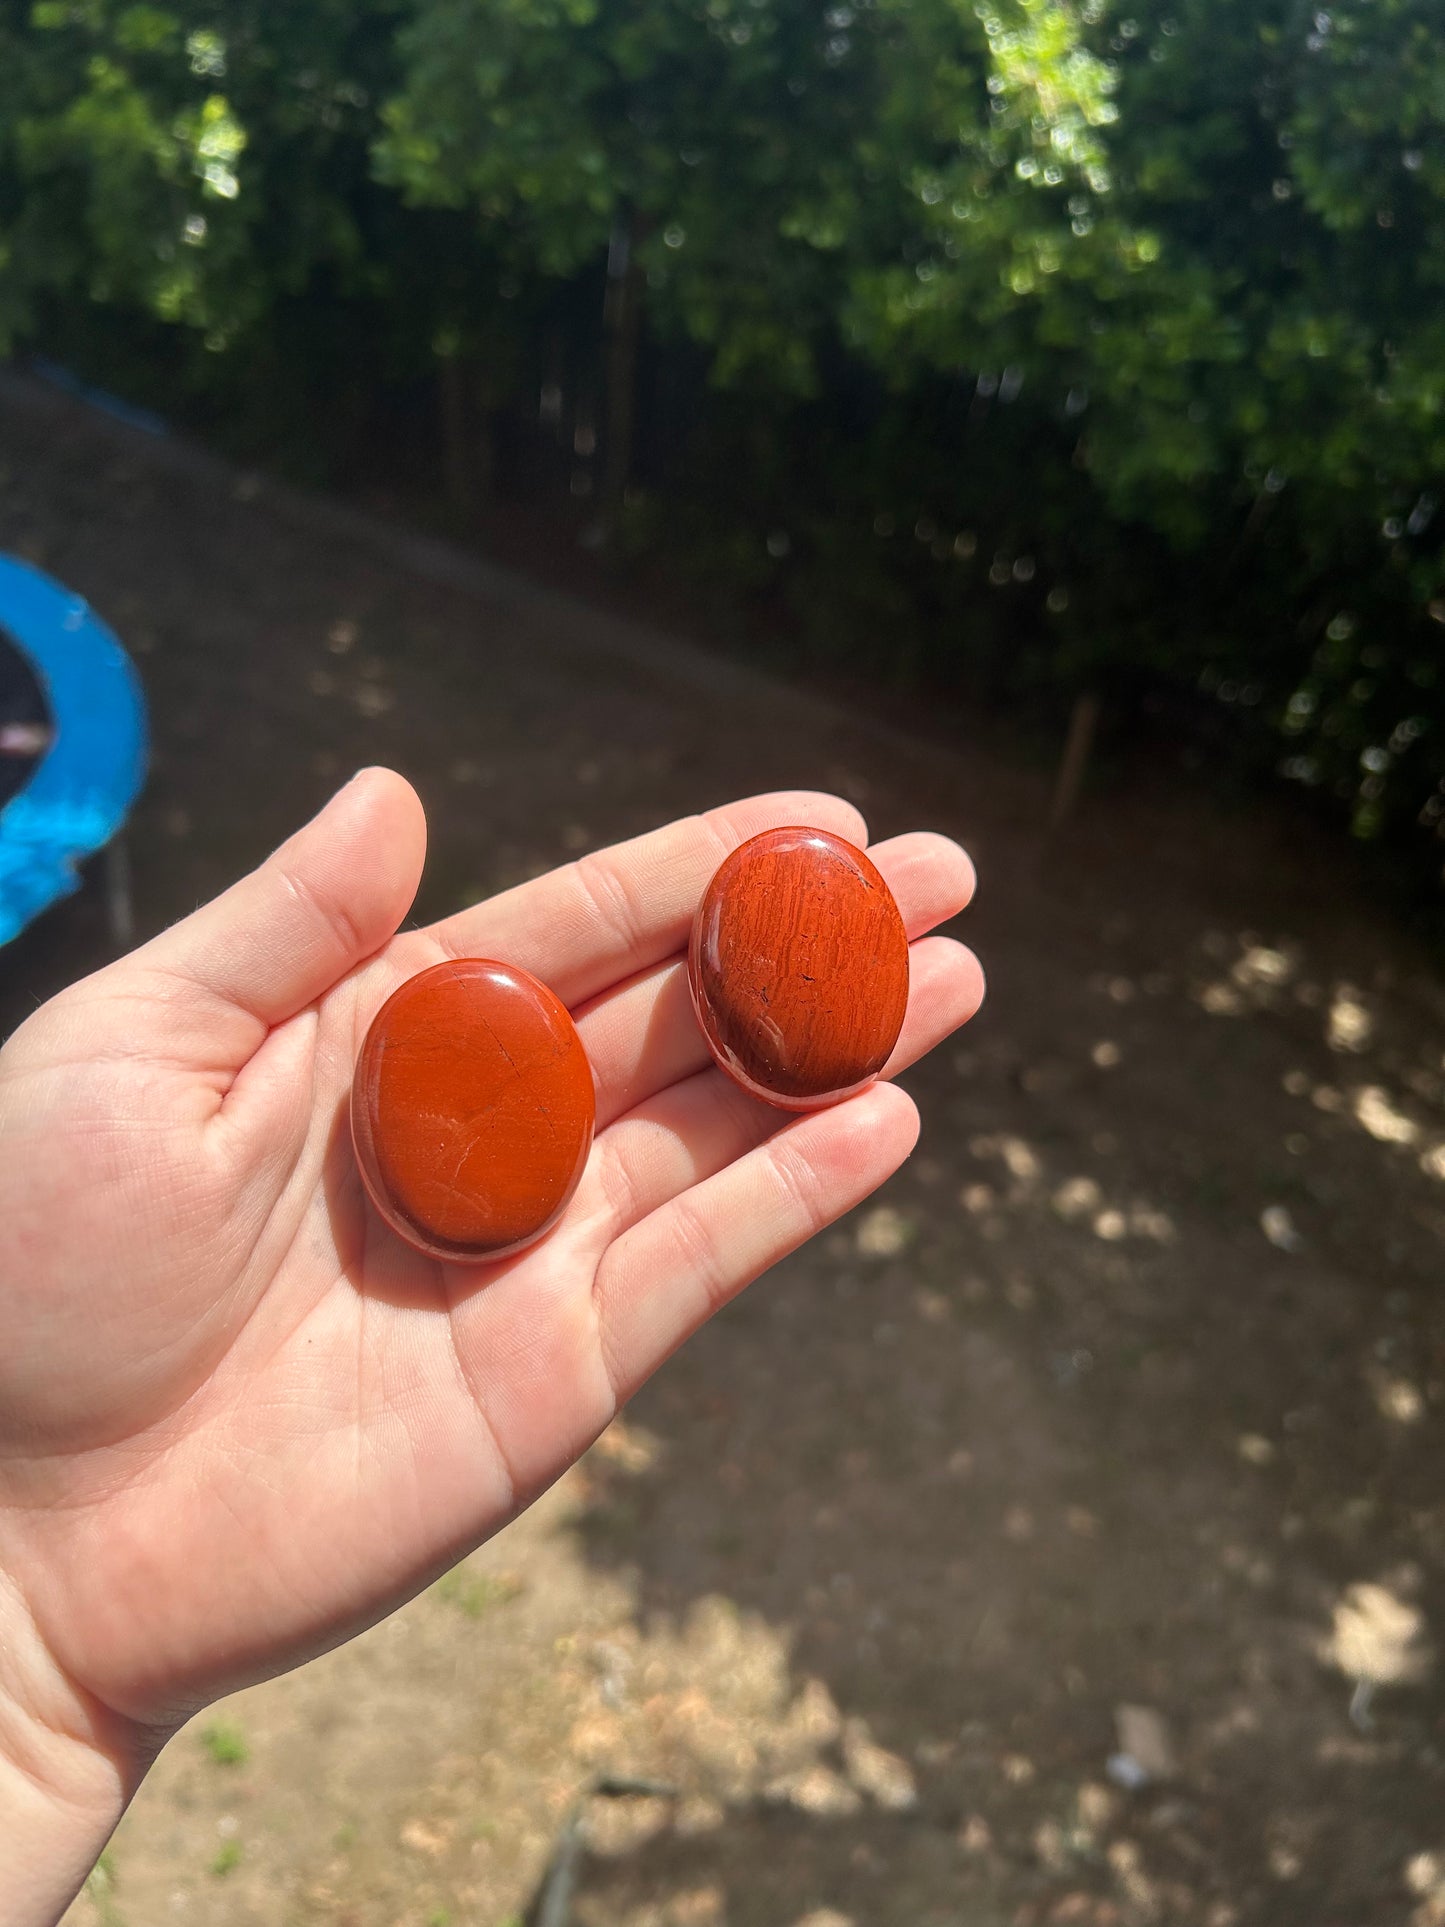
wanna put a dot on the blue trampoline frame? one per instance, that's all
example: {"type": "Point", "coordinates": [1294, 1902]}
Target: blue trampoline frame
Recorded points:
{"type": "Point", "coordinates": [80, 792]}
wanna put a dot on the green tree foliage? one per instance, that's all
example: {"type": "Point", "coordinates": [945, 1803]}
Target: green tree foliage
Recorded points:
{"type": "Point", "coordinates": [197, 162]}
{"type": "Point", "coordinates": [1242, 299]}
{"type": "Point", "coordinates": [772, 157]}
{"type": "Point", "coordinates": [188, 203]}
{"type": "Point", "coordinates": [1061, 343]}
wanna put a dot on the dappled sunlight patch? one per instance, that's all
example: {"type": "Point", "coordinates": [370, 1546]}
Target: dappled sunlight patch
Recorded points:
{"type": "Point", "coordinates": [1221, 999]}
{"type": "Point", "coordinates": [975, 1836]}
{"type": "Point", "coordinates": [1385, 1123]}
{"type": "Point", "coordinates": [1424, 1877]}
{"type": "Point", "coordinates": [817, 1790]}
{"type": "Point", "coordinates": [1252, 977]}
{"type": "Point", "coordinates": [1378, 1637]}
{"type": "Point", "coordinates": [933, 1306]}
{"type": "Point", "coordinates": [1018, 1157]}
{"type": "Point", "coordinates": [1113, 985]}
{"type": "Point", "coordinates": [1396, 1398]}
{"type": "Point", "coordinates": [1254, 980]}
{"type": "Point", "coordinates": [1078, 1200]}
{"type": "Point", "coordinates": [1262, 966]}
{"type": "Point", "coordinates": [1285, 1861]}
{"type": "Point", "coordinates": [1022, 1163]}
{"type": "Point", "coordinates": [697, 1815]}
{"type": "Point", "coordinates": [426, 1837]}
{"type": "Point", "coordinates": [883, 1232]}
{"type": "Point", "coordinates": [1350, 1023]}
{"type": "Point", "coordinates": [885, 1777]}
{"type": "Point", "coordinates": [1378, 1112]}
{"type": "Point", "coordinates": [710, 1713]}
{"type": "Point", "coordinates": [1147, 1221]}
{"type": "Point", "coordinates": [1126, 1861]}
{"type": "Point", "coordinates": [1277, 1223]}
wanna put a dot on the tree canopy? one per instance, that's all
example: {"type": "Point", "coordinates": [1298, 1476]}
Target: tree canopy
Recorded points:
{"type": "Point", "coordinates": [1130, 310]}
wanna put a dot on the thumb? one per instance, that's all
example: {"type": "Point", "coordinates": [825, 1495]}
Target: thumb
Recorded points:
{"type": "Point", "coordinates": [330, 896]}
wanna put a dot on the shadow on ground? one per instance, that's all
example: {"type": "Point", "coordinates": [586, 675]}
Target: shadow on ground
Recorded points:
{"type": "Point", "coordinates": [1126, 1395]}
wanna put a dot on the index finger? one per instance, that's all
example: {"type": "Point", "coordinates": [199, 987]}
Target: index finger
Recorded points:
{"type": "Point", "coordinates": [613, 912]}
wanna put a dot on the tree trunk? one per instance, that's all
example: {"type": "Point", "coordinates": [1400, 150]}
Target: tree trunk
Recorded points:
{"type": "Point", "coordinates": [622, 317]}
{"type": "Point", "coordinates": [1074, 763]}
{"type": "Point", "coordinates": [458, 465]}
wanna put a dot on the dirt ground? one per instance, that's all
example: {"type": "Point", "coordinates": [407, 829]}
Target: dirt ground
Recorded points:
{"type": "Point", "coordinates": [1060, 1540]}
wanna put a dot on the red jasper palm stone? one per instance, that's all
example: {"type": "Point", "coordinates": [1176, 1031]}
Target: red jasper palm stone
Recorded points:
{"type": "Point", "coordinates": [472, 1110]}
{"type": "Point", "coordinates": [798, 967]}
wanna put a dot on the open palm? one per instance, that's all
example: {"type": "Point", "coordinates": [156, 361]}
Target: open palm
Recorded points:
{"type": "Point", "coordinates": [239, 1420]}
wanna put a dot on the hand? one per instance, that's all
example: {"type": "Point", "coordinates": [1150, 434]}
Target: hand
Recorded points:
{"type": "Point", "coordinates": [239, 1420]}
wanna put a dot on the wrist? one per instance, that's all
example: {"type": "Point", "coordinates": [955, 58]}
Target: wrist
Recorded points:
{"type": "Point", "coordinates": [68, 1766]}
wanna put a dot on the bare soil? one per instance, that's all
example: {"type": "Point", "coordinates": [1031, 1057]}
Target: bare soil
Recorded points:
{"type": "Point", "coordinates": [1128, 1393]}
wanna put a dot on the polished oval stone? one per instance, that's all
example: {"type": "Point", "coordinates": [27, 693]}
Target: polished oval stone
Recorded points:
{"type": "Point", "coordinates": [798, 966]}
{"type": "Point", "coordinates": [472, 1110]}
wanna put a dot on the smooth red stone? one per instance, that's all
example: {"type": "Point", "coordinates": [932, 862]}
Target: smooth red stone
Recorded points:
{"type": "Point", "coordinates": [798, 967]}
{"type": "Point", "coordinates": [472, 1110]}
